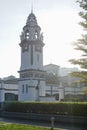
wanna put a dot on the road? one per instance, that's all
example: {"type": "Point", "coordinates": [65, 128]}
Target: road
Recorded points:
{"type": "Point", "coordinates": [45, 124]}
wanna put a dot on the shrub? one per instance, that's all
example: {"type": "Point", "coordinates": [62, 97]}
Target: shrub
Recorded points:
{"type": "Point", "coordinates": [69, 108]}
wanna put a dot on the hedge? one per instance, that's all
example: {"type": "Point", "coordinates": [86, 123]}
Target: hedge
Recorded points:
{"type": "Point", "coordinates": [63, 108]}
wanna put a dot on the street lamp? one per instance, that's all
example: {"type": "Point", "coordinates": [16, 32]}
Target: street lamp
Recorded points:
{"type": "Point", "coordinates": [52, 123]}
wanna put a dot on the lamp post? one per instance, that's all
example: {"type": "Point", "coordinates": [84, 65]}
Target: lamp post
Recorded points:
{"type": "Point", "coordinates": [52, 123]}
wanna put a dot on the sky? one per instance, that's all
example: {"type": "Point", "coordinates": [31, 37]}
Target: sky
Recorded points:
{"type": "Point", "coordinates": [58, 20]}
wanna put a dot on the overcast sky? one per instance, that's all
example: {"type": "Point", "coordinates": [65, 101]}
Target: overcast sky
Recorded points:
{"type": "Point", "coordinates": [58, 20]}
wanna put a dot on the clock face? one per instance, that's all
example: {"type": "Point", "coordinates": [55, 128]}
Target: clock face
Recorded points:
{"type": "Point", "coordinates": [25, 47]}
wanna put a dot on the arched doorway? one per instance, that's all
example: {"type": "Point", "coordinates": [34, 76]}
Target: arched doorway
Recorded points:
{"type": "Point", "coordinates": [11, 97]}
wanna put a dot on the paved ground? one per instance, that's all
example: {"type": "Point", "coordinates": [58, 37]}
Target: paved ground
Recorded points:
{"type": "Point", "coordinates": [46, 124]}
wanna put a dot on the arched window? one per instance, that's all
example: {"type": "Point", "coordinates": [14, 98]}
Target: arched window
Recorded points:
{"type": "Point", "coordinates": [36, 34]}
{"type": "Point", "coordinates": [27, 34]}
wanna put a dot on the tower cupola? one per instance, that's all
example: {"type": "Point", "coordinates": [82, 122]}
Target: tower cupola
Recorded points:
{"type": "Point", "coordinates": [31, 20]}
{"type": "Point", "coordinates": [31, 31]}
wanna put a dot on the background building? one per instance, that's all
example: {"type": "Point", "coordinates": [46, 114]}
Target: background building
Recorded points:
{"type": "Point", "coordinates": [63, 71]}
{"type": "Point", "coordinates": [52, 68]}
{"type": "Point", "coordinates": [8, 89]}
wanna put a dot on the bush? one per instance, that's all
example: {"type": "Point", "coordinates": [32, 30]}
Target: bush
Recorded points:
{"type": "Point", "coordinates": [64, 108]}
{"type": "Point", "coordinates": [76, 98]}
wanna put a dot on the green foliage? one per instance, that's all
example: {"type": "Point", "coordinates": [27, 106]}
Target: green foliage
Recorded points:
{"type": "Point", "coordinates": [69, 108]}
{"type": "Point", "coordinates": [85, 90]}
{"type": "Point", "coordinates": [8, 126]}
{"type": "Point", "coordinates": [52, 79]}
{"type": "Point", "coordinates": [81, 44]}
{"type": "Point", "coordinates": [76, 98]}
{"type": "Point", "coordinates": [82, 75]}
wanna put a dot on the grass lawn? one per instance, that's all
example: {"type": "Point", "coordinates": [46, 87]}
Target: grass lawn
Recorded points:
{"type": "Point", "coordinates": [8, 126]}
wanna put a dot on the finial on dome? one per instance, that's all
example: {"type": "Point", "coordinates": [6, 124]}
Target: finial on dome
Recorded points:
{"type": "Point", "coordinates": [32, 8]}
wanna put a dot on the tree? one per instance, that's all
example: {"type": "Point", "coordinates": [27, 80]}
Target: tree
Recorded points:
{"type": "Point", "coordinates": [52, 79]}
{"type": "Point", "coordinates": [81, 44]}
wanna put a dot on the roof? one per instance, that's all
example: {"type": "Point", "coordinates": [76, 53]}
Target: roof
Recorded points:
{"type": "Point", "coordinates": [51, 65]}
{"type": "Point", "coordinates": [11, 81]}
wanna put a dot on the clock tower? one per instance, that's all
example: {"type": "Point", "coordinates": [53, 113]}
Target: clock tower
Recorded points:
{"type": "Point", "coordinates": [32, 74]}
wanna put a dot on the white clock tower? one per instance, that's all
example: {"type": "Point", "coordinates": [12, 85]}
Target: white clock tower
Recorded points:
{"type": "Point", "coordinates": [32, 74]}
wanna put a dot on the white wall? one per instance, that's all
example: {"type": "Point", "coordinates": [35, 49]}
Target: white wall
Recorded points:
{"type": "Point", "coordinates": [11, 88]}
{"type": "Point", "coordinates": [2, 95]}
{"type": "Point", "coordinates": [32, 94]}
{"type": "Point", "coordinates": [7, 88]}
{"type": "Point", "coordinates": [47, 99]}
